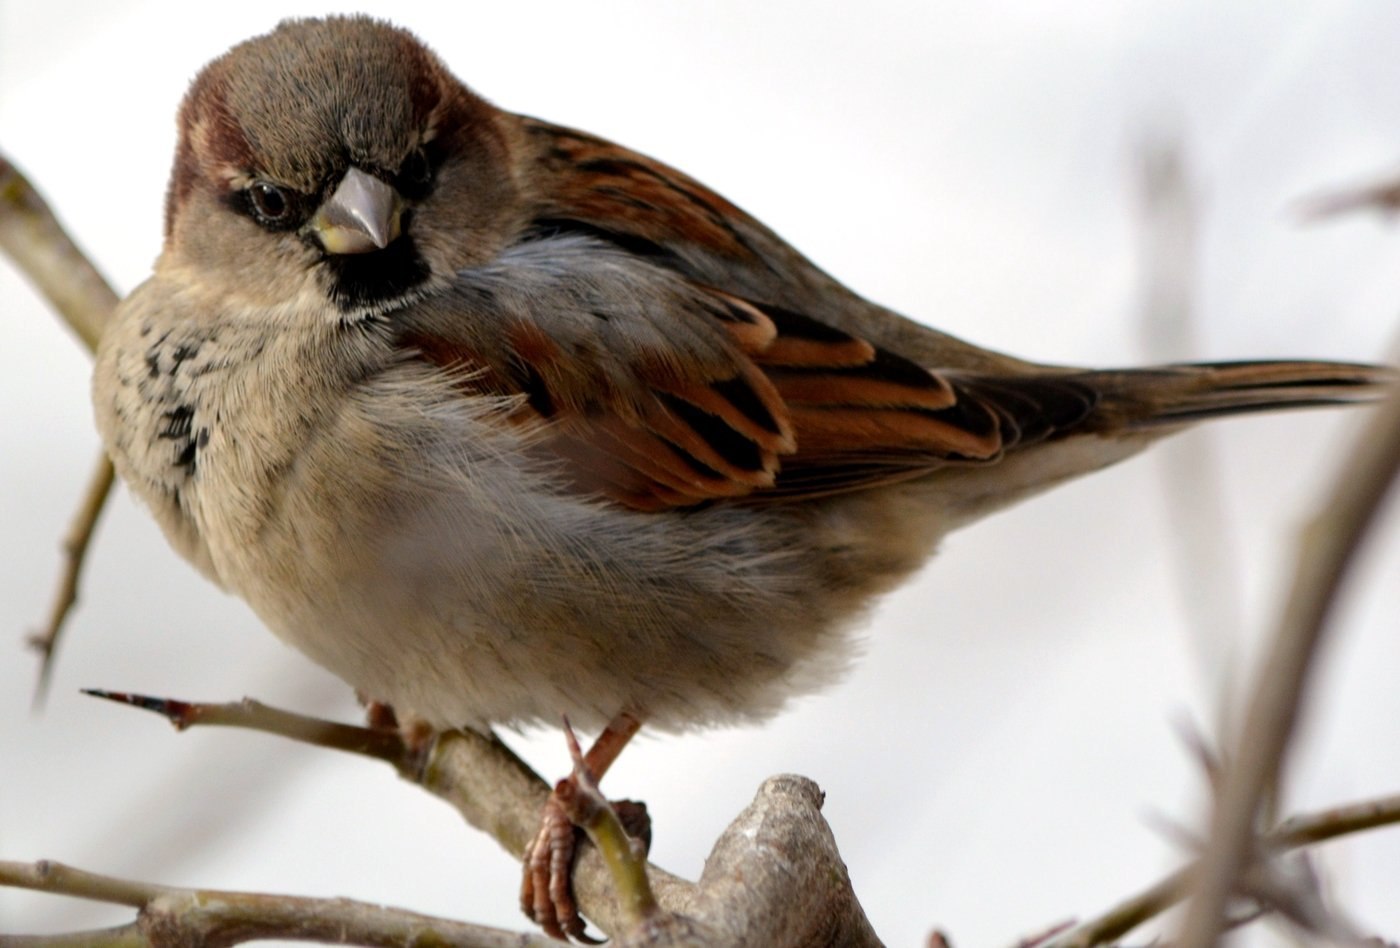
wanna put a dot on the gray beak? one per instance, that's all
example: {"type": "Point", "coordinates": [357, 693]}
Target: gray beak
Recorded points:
{"type": "Point", "coordinates": [361, 216]}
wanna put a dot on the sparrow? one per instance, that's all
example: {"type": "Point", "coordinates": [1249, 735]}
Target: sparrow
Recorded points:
{"type": "Point", "coordinates": [502, 422]}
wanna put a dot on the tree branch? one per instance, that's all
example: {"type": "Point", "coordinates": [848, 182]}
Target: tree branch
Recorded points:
{"type": "Point", "coordinates": [171, 916]}
{"type": "Point", "coordinates": [775, 877]}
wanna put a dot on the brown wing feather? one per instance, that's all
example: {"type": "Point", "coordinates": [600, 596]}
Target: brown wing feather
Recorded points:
{"type": "Point", "coordinates": [629, 196]}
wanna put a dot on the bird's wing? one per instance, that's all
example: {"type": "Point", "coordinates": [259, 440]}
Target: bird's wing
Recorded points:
{"type": "Point", "coordinates": [656, 391]}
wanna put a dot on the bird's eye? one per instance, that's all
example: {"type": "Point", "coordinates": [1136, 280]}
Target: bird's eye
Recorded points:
{"type": "Point", "coordinates": [269, 202]}
{"type": "Point", "coordinates": [415, 175]}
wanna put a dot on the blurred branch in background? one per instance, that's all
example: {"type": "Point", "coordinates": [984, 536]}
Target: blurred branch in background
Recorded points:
{"type": "Point", "coordinates": [1257, 751]}
{"type": "Point", "coordinates": [1256, 754]}
{"type": "Point", "coordinates": [1298, 831]}
{"type": "Point", "coordinates": [37, 243]}
{"type": "Point", "coordinates": [43, 252]}
{"type": "Point", "coordinates": [1204, 552]}
{"type": "Point", "coordinates": [1381, 196]}
{"type": "Point", "coordinates": [1169, 223]}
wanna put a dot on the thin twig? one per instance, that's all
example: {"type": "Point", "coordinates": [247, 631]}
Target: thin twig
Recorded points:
{"type": "Point", "coordinates": [171, 915]}
{"type": "Point", "coordinates": [252, 715]}
{"type": "Point", "coordinates": [1330, 544]}
{"type": "Point", "coordinates": [46, 876]}
{"type": "Point", "coordinates": [75, 547]}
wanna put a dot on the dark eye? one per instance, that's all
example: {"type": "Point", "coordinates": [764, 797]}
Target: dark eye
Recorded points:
{"type": "Point", "coordinates": [415, 175]}
{"type": "Point", "coordinates": [269, 203]}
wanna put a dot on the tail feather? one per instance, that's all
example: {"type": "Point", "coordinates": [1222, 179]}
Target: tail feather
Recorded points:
{"type": "Point", "coordinates": [1171, 395]}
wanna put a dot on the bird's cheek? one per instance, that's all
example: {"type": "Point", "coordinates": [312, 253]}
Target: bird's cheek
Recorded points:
{"type": "Point", "coordinates": [236, 259]}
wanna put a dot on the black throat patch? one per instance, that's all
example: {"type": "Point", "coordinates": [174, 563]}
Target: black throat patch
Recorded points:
{"type": "Point", "coordinates": [369, 280]}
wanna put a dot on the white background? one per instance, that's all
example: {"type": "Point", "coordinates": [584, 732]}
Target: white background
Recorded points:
{"type": "Point", "coordinates": [1005, 754]}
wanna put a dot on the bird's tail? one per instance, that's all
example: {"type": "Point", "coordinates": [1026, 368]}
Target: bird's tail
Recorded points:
{"type": "Point", "coordinates": [1171, 395]}
{"type": "Point", "coordinates": [1041, 413]}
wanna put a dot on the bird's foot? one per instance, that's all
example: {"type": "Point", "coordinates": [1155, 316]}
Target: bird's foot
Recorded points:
{"type": "Point", "coordinates": [546, 889]}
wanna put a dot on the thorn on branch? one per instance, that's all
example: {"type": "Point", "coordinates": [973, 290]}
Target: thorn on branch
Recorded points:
{"type": "Point", "coordinates": [179, 713]}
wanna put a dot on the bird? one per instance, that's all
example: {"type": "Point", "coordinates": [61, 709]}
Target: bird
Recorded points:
{"type": "Point", "coordinates": [503, 423]}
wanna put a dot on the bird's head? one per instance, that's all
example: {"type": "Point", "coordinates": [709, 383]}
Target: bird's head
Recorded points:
{"type": "Point", "coordinates": [339, 158]}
